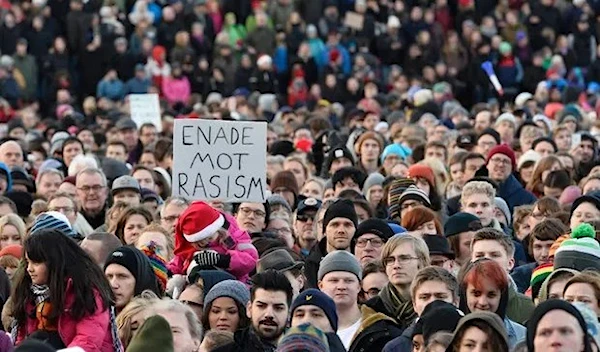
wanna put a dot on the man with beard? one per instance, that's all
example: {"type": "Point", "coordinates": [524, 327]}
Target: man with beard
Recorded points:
{"type": "Point", "coordinates": [501, 163]}
{"type": "Point", "coordinates": [270, 300]}
{"type": "Point", "coordinates": [587, 155]}
{"type": "Point", "coordinates": [339, 225]}
{"type": "Point", "coordinates": [303, 224]}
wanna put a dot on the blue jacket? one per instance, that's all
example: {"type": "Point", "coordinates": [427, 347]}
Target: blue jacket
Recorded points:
{"type": "Point", "coordinates": [515, 331]}
{"type": "Point", "coordinates": [137, 86]}
{"type": "Point", "coordinates": [522, 276]}
{"type": "Point", "coordinates": [514, 194]}
{"type": "Point", "coordinates": [113, 90]}
{"type": "Point", "coordinates": [6, 171]}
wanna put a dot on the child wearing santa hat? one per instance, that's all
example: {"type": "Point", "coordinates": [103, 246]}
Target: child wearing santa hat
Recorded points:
{"type": "Point", "coordinates": [207, 239]}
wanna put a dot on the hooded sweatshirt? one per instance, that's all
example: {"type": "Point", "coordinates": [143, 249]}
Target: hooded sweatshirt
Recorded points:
{"type": "Point", "coordinates": [6, 174]}
{"type": "Point", "coordinates": [491, 319]}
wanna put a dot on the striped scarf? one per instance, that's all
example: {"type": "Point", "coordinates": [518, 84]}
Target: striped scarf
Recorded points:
{"type": "Point", "coordinates": [117, 345]}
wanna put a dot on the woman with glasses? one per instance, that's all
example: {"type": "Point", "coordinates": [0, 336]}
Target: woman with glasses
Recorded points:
{"type": "Point", "coordinates": [280, 225]}
{"type": "Point", "coordinates": [403, 257]}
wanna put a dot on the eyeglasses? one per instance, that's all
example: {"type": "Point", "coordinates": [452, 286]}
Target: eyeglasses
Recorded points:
{"type": "Point", "coordinates": [538, 215]}
{"type": "Point", "coordinates": [401, 259]}
{"type": "Point", "coordinates": [256, 212]}
{"type": "Point", "coordinates": [192, 304]}
{"type": "Point", "coordinates": [87, 189]}
{"type": "Point", "coordinates": [500, 161]}
{"type": "Point", "coordinates": [170, 218]}
{"type": "Point", "coordinates": [372, 292]}
{"type": "Point", "coordinates": [304, 217]}
{"type": "Point", "coordinates": [62, 209]}
{"type": "Point", "coordinates": [375, 242]}
{"type": "Point", "coordinates": [283, 230]}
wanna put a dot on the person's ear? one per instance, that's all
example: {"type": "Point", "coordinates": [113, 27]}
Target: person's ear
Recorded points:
{"type": "Point", "coordinates": [249, 310]}
{"type": "Point", "coordinates": [320, 284]}
{"type": "Point", "coordinates": [511, 264]}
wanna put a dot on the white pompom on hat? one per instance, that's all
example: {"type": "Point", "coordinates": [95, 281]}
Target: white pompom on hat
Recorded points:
{"type": "Point", "coordinates": [199, 221]}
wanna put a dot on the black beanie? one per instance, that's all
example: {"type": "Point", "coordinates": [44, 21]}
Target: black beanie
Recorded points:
{"type": "Point", "coordinates": [341, 208]}
{"type": "Point", "coordinates": [437, 316]}
{"type": "Point", "coordinates": [548, 306]}
{"type": "Point", "coordinates": [373, 226]}
{"type": "Point", "coordinates": [138, 265]}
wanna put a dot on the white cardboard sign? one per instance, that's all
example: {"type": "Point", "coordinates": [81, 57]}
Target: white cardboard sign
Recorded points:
{"type": "Point", "coordinates": [145, 108]}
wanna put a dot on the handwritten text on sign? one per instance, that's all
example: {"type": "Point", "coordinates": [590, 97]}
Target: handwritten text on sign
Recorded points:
{"type": "Point", "coordinates": [224, 160]}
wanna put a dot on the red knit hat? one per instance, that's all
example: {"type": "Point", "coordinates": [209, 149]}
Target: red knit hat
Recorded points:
{"type": "Point", "coordinates": [198, 222]}
{"type": "Point", "coordinates": [15, 250]}
{"type": "Point", "coordinates": [423, 171]}
{"type": "Point", "coordinates": [505, 150]}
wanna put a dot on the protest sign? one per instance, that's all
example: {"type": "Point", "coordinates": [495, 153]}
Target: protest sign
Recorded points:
{"type": "Point", "coordinates": [220, 160]}
{"type": "Point", "coordinates": [354, 20]}
{"type": "Point", "coordinates": [145, 108]}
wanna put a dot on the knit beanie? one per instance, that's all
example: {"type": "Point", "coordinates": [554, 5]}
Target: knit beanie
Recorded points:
{"type": "Point", "coordinates": [530, 156]}
{"type": "Point", "coordinates": [554, 304]}
{"type": "Point", "coordinates": [341, 208]}
{"type": "Point", "coordinates": [592, 198]}
{"type": "Point", "coordinates": [154, 335]}
{"type": "Point", "coordinates": [437, 316]}
{"type": "Point", "coordinates": [507, 116]}
{"type": "Point", "coordinates": [505, 150]}
{"type": "Point", "coordinates": [314, 297]}
{"type": "Point", "coordinates": [138, 265]}
{"type": "Point", "coordinates": [337, 153]}
{"type": "Point", "coordinates": [276, 199]}
{"type": "Point", "coordinates": [159, 264]}
{"type": "Point", "coordinates": [538, 276]}
{"type": "Point", "coordinates": [579, 252]}
{"type": "Point", "coordinates": [414, 193]}
{"type": "Point", "coordinates": [501, 204]}
{"type": "Point", "coordinates": [339, 261]}
{"type": "Point", "coordinates": [461, 222]}
{"type": "Point", "coordinates": [287, 180]}
{"type": "Point", "coordinates": [396, 188]}
{"type": "Point", "coordinates": [233, 289]}
{"type": "Point", "coordinates": [23, 201]}
{"type": "Point", "coordinates": [16, 250]}
{"type": "Point", "coordinates": [422, 171]}
{"type": "Point", "coordinates": [399, 150]}
{"type": "Point", "coordinates": [591, 320]}
{"type": "Point", "coordinates": [374, 179]}
{"type": "Point", "coordinates": [374, 226]}
{"type": "Point", "coordinates": [569, 195]}
{"type": "Point", "coordinates": [53, 220]}
{"type": "Point", "coordinates": [305, 338]}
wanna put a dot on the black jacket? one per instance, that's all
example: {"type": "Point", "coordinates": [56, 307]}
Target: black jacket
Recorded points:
{"type": "Point", "coordinates": [311, 265]}
{"type": "Point", "coordinates": [246, 341]}
{"type": "Point", "coordinates": [335, 344]}
{"type": "Point", "coordinates": [375, 331]}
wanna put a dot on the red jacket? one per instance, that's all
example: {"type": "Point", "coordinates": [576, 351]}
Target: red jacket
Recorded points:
{"type": "Point", "coordinates": [92, 333]}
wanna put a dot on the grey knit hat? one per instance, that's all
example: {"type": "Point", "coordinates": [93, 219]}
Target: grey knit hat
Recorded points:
{"type": "Point", "coordinates": [501, 204]}
{"type": "Point", "coordinates": [276, 199]}
{"type": "Point", "coordinates": [374, 179]}
{"type": "Point", "coordinates": [340, 261]}
{"type": "Point", "coordinates": [229, 288]}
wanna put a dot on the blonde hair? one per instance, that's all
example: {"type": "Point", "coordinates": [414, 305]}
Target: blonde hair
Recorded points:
{"type": "Point", "coordinates": [17, 222]}
{"type": "Point", "coordinates": [155, 227]}
{"type": "Point", "coordinates": [135, 306]}
{"type": "Point", "coordinates": [172, 306]}
{"type": "Point", "coordinates": [477, 187]}
{"type": "Point", "coordinates": [217, 338]}
{"type": "Point", "coordinates": [420, 247]}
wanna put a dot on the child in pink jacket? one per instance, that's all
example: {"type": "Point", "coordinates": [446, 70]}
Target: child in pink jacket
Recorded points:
{"type": "Point", "coordinates": [211, 239]}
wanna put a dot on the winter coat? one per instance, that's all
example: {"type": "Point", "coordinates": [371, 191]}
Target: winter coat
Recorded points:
{"type": "Point", "coordinates": [520, 307]}
{"type": "Point", "coordinates": [402, 343]}
{"type": "Point", "coordinates": [28, 67]}
{"type": "Point", "coordinates": [137, 86]}
{"type": "Point", "coordinates": [263, 40]}
{"type": "Point", "coordinates": [311, 265]}
{"type": "Point", "coordinates": [522, 276]}
{"type": "Point", "coordinates": [246, 341]}
{"type": "Point", "coordinates": [375, 331]}
{"type": "Point", "coordinates": [243, 254]}
{"type": "Point", "coordinates": [514, 194]}
{"type": "Point", "coordinates": [92, 333]}
{"type": "Point", "coordinates": [113, 89]}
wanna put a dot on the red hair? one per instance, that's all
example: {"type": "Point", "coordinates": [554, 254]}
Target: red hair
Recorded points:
{"type": "Point", "coordinates": [485, 270]}
{"type": "Point", "coordinates": [420, 215]}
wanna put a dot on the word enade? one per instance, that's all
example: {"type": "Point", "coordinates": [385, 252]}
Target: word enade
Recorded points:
{"type": "Point", "coordinates": [219, 160]}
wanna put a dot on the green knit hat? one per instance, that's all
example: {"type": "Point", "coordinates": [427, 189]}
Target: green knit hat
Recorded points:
{"type": "Point", "coordinates": [154, 335]}
{"type": "Point", "coordinates": [579, 252]}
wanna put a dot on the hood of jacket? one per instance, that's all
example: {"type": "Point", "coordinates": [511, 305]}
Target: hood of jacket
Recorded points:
{"type": "Point", "coordinates": [488, 318]}
{"type": "Point", "coordinates": [501, 311]}
{"type": "Point", "coordinates": [5, 170]}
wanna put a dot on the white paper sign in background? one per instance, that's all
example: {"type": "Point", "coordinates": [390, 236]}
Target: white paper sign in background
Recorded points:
{"type": "Point", "coordinates": [145, 108]}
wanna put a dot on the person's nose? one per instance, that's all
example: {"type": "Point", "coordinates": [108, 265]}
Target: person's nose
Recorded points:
{"type": "Point", "coordinates": [223, 315]}
{"type": "Point", "coordinates": [114, 283]}
{"type": "Point", "coordinates": [482, 301]}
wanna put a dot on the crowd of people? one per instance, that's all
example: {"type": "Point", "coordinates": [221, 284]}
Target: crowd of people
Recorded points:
{"type": "Point", "coordinates": [433, 175]}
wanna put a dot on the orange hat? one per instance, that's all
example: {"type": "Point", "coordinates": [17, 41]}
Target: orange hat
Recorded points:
{"type": "Point", "coordinates": [423, 171]}
{"type": "Point", "coordinates": [557, 244]}
{"type": "Point", "coordinates": [16, 250]}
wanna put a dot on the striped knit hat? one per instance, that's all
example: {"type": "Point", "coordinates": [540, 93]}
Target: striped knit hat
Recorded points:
{"type": "Point", "coordinates": [414, 193]}
{"type": "Point", "coordinates": [579, 252]}
{"type": "Point", "coordinates": [396, 188]}
{"type": "Point", "coordinates": [305, 338]}
{"type": "Point", "coordinates": [53, 220]}
{"type": "Point", "coordinates": [158, 263]}
{"type": "Point", "coordinates": [538, 276]}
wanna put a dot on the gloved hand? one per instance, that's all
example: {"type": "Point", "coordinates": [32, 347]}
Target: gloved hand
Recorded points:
{"type": "Point", "coordinates": [175, 286]}
{"type": "Point", "coordinates": [210, 258]}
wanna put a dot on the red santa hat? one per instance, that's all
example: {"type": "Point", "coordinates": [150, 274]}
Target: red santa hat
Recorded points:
{"type": "Point", "coordinates": [198, 222]}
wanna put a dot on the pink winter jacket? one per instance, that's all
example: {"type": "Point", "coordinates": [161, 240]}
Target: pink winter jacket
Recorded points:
{"type": "Point", "coordinates": [176, 90]}
{"type": "Point", "coordinates": [242, 252]}
{"type": "Point", "coordinates": [92, 333]}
